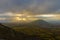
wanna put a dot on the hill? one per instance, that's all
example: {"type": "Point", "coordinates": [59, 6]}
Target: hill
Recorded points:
{"type": "Point", "coordinates": [40, 23]}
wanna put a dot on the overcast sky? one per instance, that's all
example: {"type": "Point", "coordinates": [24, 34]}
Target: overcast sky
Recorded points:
{"type": "Point", "coordinates": [37, 6]}
{"type": "Point", "coordinates": [34, 6]}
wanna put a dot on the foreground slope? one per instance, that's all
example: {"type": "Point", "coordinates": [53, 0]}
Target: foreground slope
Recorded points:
{"type": "Point", "coordinates": [6, 33]}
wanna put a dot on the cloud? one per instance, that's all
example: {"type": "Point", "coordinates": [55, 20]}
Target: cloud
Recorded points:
{"type": "Point", "coordinates": [35, 6]}
{"type": "Point", "coordinates": [47, 6]}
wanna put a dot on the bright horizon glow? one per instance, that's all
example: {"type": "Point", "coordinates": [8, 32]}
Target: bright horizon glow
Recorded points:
{"type": "Point", "coordinates": [44, 15]}
{"type": "Point", "coordinates": [17, 18]}
{"type": "Point", "coordinates": [21, 19]}
{"type": "Point", "coordinates": [19, 15]}
{"type": "Point", "coordinates": [28, 17]}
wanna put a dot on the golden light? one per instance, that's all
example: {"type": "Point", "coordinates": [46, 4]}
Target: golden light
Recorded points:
{"type": "Point", "coordinates": [28, 16]}
{"type": "Point", "coordinates": [49, 15]}
{"type": "Point", "coordinates": [24, 19]}
{"type": "Point", "coordinates": [17, 18]}
{"type": "Point", "coordinates": [19, 14]}
{"type": "Point", "coordinates": [21, 19]}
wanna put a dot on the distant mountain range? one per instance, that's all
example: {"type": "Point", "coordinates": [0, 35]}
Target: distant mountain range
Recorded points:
{"type": "Point", "coordinates": [40, 23]}
{"type": "Point", "coordinates": [36, 23]}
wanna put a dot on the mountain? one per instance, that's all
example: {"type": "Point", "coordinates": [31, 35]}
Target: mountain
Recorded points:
{"type": "Point", "coordinates": [40, 23]}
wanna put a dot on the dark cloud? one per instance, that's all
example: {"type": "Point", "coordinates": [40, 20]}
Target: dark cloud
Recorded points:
{"type": "Point", "coordinates": [35, 6]}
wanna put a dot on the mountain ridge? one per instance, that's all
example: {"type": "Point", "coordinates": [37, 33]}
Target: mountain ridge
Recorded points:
{"type": "Point", "coordinates": [40, 23]}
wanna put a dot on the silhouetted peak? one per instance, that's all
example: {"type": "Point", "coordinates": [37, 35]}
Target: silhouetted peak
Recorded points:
{"type": "Point", "coordinates": [41, 23]}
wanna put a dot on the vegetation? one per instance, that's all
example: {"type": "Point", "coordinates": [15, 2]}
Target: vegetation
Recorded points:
{"type": "Point", "coordinates": [39, 33]}
{"type": "Point", "coordinates": [30, 32]}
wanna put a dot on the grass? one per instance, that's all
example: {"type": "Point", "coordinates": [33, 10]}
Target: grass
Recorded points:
{"type": "Point", "coordinates": [42, 33]}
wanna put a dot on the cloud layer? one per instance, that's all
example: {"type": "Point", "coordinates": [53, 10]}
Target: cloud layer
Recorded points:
{"type": "Point", "coordinates": [36, 6]}
{"type": "Point", "coordinates": [33, 6]}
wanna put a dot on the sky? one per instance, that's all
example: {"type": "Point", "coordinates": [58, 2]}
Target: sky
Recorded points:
{"type": "Point", "coordinates": [12, 10]}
